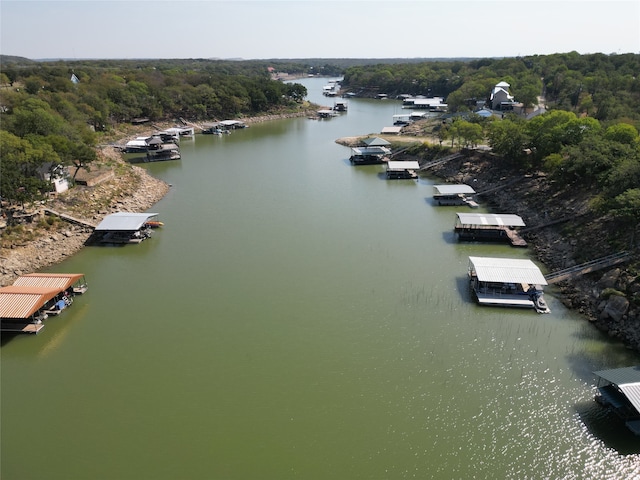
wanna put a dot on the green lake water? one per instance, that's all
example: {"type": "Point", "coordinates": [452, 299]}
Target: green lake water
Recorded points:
{"type": "Point", "coordinates": [298, 317]}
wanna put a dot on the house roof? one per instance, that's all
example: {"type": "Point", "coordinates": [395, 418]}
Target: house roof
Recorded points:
{"type": "Point", "coordinates": [491, 219]}
{"type": "Point", "coordinates": [628, 381]}
{"type": "Point", "coordinates": [24, 301]}
{"type": "Point", "coordinates": [452, 189]}
{"type": "Point", "coordinates": [124, 221]}
{"type": "Point", "coordinates": [507, 270]}
{"type": "Point", "coordinates": [60, 281]}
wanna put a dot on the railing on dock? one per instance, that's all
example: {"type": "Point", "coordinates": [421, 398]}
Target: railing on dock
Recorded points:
{"type": "Point", "coordinates": [440, 161]}
{"type": "Point", "coordinates": [588, 267]}
{"type": "Point", "coordinates": [69, 218]}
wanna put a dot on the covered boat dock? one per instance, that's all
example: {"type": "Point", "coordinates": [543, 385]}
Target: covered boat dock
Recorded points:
{"type": "Point", "coordinates": [369, 155]}
{"type": "Point", "coordinates": [507, 282]}
{"type": "Point", "coordinates": [619, 390]}
{"type": "Point", "coordinates": [402, 170]}
{"type": "Point", "coordinates": [124, 227]}
{"type": "Point", "coordinates": [456, 194]}
{"type": "Point", "coordinates": [35, 297]}
{"type": "Point", "coordinates": [489, 227]}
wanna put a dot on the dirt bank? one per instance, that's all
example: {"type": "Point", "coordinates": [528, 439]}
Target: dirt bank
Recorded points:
{"type": "Point", "coordinates": [42, 245]}
{"type": "Point", "coordinates": [45, 242]}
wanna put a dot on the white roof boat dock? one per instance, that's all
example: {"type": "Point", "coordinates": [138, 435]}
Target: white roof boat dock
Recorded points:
{"type": "Point", "coordinates": [124, 227]}
{"type": "Point", "coordinates": [402, 170]}
{"type": "Point", "coordinates": [326, 113]}
{"type": "Point", "coordinates": [177, 132]}
{"type": "Point", "coordinates": [507, 282]}
{"type": "Point", "coordinates": [621, 393]}
{"type": "Point", "coordinates": [454, 194]}
{"type": "Point", "coordinates": [369, 155]}
{"type": "Point", "coordinates": [433, 103]}
{"type": "Point", "coordinates": [489, 227]}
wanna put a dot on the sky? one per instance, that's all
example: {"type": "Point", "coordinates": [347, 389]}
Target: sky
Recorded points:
{"type": "Point", "coordinates": [272, 29]}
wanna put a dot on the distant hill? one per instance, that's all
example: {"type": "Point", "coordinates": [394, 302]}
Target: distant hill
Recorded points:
{"type": "Point", "coordinates": [10, 59]}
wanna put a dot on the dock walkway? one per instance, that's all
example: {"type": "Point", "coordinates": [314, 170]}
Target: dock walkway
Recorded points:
{"type": "Point", "coordinates": [69, 218]}
{"type": "Point", "coordinates": [588, 267]}
{"type": "Point", "coordinates": [440, 161]}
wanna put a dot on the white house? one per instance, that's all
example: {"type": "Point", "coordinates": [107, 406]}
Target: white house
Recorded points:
{"type": "Point", "coordinates": [501, 99]}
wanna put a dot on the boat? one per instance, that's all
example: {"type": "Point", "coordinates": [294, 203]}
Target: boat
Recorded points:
{"type": "Point", "coordinates": [154, 223]}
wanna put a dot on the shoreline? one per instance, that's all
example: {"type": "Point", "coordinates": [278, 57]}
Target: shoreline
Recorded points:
{"type": "Point", "coordinates": [133, 189]}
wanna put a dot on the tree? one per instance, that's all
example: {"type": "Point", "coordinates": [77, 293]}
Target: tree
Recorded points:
{"type": "Point", "coordinates": [508, 138]}
{"type": "Point", "coordinates": [626, 206]}
{"type": "Point", "coordinates": [20, 182]}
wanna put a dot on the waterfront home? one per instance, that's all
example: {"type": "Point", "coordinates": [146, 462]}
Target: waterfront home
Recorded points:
{"type": "Point", "coordinates": [507, 282]}
{"type": "Point", "coordinates": [489, 227]}
{"type": "Point", "coordinates": [457, 194]}
{"type": "Point", "coordinates": [402, 170]}
{"type": "Point", "coordinates": [500, 97]}
{"type": "Point", "coordinates": [619, 391]}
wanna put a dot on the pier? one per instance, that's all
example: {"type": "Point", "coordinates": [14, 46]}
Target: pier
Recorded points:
{"type": "Point", "coordinates": [588, 267]}
{"type": "Point", "coordinates": [69, 218]}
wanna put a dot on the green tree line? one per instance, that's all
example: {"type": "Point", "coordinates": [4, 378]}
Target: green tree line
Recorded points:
{"type": "Point", "coordinates": [587, 141]}
{"type": "Point", "coordinates": [54, 113]}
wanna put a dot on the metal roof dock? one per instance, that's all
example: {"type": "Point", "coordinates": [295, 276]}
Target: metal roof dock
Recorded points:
{"type": "Point", "coordinates": [124, 227]}
{"type": "Point", "coordinates": [621, 393]}
{"type": "Point", "coordinates": [454, 194]}
{"type": "Point", "coordinates": [489, 227]}
{"type": "Point", "coordinates": [402, 170]}
{"type": "Point", "coordinates": [510, 282]}
{"type": "Point", "coordinates": [34, 297]}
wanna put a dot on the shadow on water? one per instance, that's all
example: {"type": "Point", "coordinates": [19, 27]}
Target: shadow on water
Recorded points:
{"type": "Point", "coordinates": [608, 427]}
{"type": "Point", "coordinates": [450, 237]}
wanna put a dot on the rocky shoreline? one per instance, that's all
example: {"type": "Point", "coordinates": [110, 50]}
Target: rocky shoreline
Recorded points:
{"type": "Point", "coordinates": [134, 190]}
{"type": "Point", "coordinates": [131, 190]}
{"type": "Point", "coordinates": [568, 233]}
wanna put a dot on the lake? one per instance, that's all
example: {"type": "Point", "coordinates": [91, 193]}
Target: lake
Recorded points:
{"type": "Point", "coordinates": [299, 317]}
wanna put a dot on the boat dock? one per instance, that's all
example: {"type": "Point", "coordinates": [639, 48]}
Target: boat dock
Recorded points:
{"type": "Point", "coordinates": [458, 194]}
{"type": "Point", "coordinates": [489, 227]}
{"type": "Point", "coordinates": [25, 305]}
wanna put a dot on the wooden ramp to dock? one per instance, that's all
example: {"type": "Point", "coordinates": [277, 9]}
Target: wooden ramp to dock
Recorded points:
{"type": "Point", "coordinates": [514, 238]}
{"type": "Point", "coordinates": [588, 267]}
{"type": "Point", "coordinates": [440, 161]}
{"type": "Point", "coordinates": [69, 218]}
